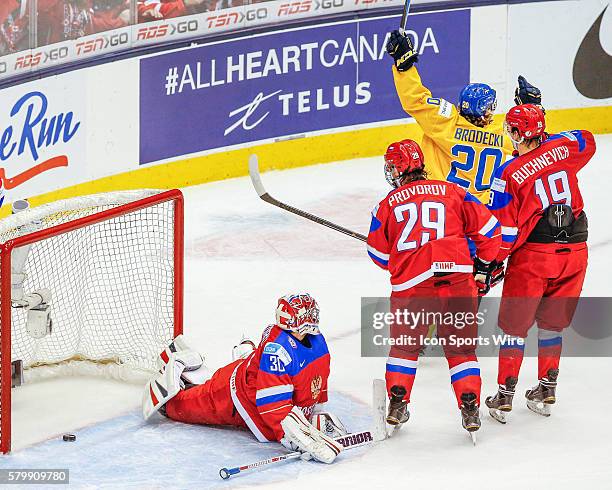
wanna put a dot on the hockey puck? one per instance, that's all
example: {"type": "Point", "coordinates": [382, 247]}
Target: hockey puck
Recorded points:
{"type": "Point", "coordinates": [69, 437]}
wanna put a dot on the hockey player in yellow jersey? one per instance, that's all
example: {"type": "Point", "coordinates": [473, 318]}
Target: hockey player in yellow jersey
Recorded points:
{"type": "Point", "coordinates": [462, 145]}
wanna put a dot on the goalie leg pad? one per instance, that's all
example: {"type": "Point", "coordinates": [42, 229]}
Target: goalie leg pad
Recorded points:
{"type": "Point", "coordinates": [162, 387]}
{"type": "Point", "coordinates": [195, 372]}
{"type": "Point", "coordinates": [179, 344]}
{"type": "Point", "coordinates": [304, 437]}
{"type": "Point", "coordinates": [243, 349]}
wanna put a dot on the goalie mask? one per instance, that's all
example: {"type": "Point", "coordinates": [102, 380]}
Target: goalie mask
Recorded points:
{"type": "Point", "coordinates": [298, 313]}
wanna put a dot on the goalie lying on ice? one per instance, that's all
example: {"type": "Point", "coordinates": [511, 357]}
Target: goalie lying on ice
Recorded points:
{"type": "Point", "coordinates": [275, 389]}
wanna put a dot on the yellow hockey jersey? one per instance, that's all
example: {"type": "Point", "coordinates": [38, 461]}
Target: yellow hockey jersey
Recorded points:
{"type": "Point", "coordinates": [455, 150]}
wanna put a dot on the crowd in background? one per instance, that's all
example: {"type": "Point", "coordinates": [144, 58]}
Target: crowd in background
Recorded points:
{"type": "Point", "coordinates": [62, 20]}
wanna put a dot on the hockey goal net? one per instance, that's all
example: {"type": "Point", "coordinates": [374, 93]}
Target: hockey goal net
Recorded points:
{"type": "Point", "coordinates": [107, 273]}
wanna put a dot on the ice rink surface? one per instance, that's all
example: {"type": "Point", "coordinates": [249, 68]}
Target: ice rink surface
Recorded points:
{"type": "Point", "coordinates": [241, 255]}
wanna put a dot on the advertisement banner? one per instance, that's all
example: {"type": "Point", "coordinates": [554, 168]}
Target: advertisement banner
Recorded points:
{"type": "Point", "coordinates": [48, 56]}
{"type": "Point", "coordinates": [581, 74]}
{"type": "Point", "coordinates": [42, 137]}
{"type": "Point", "coordinates": [291, 82]}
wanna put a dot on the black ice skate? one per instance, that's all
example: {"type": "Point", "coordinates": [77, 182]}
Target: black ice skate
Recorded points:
{"type": "Point", "coordinates": [398, 409]}
{"type": "Point", "coordinates": [542, 396]}
{"type": "Point", "coordinates": [470, 415]}
{"type": "Point", "coordinates": [500, 404]}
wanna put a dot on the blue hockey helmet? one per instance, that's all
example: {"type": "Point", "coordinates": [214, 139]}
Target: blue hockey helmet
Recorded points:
{"type": "Point", "coordinates": [476, 100]}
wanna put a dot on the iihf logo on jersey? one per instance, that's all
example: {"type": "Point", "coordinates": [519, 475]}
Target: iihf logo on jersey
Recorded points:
{"type": "Point", "coordinates": [31, 130]}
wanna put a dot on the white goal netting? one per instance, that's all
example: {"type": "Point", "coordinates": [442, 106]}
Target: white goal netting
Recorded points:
{"type": "Point", "coordinates": [112, 281]}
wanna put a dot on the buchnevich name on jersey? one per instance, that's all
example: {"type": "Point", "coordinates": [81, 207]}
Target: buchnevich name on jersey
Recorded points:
{"type": "Point", "coordinates": [544, 160]}
{"type": "Point", "coordinates": [406, 194]}
{"type": "Point", "coordinates": [479, 137]}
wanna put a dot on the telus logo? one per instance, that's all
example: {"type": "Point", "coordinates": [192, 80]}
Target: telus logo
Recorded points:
{"type": "Point", "coordinates": [39, 130]}
{"type": "Point", "coordinates": [593, 65]}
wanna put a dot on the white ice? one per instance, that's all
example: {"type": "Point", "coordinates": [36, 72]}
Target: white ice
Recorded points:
{"type": "Point", "coordinates": [241, 254]}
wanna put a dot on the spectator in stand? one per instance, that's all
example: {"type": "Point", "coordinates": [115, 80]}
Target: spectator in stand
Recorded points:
{"type": "Point", "coordinates": [61, 20]}
{"type": "Point", "coordinates": [149, 10]}
{"type": "Point", "coordinates": [7, 7]}
{"type": "Point", "coordinates": [110, 14]}
{"type": "Point", "coordinates": [14, 26]}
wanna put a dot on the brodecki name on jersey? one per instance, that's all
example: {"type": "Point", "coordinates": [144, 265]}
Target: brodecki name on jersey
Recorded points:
{"type": "Point", "coordinates": [479, 137]}
{"type": "Point", "coordinates": [406, 194]}
{"type": "Point", "coordinates": [544, 160]}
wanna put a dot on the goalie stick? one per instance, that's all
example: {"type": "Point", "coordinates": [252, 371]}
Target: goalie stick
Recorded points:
{"type": "Point", "coordinates": [349, 441]}
{"type": "Point", "coordinates": [263, 194]}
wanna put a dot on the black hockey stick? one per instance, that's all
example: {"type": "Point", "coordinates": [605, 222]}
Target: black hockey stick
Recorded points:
{"type": "Point", "coordinates": [404, 20]}
{"type": "Point", "coordinates": [263, 194]}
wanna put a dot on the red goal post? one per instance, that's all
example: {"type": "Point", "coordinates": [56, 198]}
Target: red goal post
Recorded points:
{"type": "Point", "coordinates": [108, 269]}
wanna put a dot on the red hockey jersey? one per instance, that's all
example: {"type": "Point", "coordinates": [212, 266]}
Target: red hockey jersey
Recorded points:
{"type": "Point", "coordinates": [420, 228]}
{"type": "Point", "coordinates": [280, 374]}
{"type": "Point", "coordinates": [525, 186]}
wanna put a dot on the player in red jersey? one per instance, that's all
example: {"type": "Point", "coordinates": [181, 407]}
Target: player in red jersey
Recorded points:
{"type": "Point", "coordinates": [544, 229]}
{"type": "Point", "coordinates": [418, 233]}
{"type": "Point", "coordinates": [108, 15]}
{"type": "Point", "coordinates": [276, 389]}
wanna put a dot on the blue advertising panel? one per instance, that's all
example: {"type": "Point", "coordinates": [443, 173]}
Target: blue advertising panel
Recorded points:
{"type": "Point", "coordinates": [291, 82]}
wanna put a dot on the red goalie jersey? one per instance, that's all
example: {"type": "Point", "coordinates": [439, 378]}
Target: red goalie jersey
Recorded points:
{"type": "Point", "coordinates": [420, 229]}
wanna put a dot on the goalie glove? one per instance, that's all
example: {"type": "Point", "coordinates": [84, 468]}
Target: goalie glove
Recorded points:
{"type": "Point", "coordinates": [301, 435]}
{"type": "Point", "coordinates": [328, 423]}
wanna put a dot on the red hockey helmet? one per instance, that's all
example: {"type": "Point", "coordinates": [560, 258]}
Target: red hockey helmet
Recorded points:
{"type": "Point", "coordinates": [403, 157]}
{"type": "Point", "coordinates": [298, 313]}
{"type": "Point", "coordinates": [526, 119]}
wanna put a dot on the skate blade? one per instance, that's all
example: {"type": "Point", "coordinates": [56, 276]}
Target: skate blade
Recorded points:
{"type": "Point", "coordinates": [392, 429]}
{"type": "Point", "coordinates": [498, 415]}
{"type": "Point", "coordinates": [539, 407]}
{"type": "Point", "coordinates": [473, 436]}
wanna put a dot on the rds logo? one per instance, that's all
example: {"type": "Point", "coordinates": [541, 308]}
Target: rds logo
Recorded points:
{"type": "Point", "coordinates": [37, 130]}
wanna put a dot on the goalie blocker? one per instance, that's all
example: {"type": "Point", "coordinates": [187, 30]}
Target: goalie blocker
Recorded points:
{"type": "Point", "coordinates": [277, 390]}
